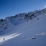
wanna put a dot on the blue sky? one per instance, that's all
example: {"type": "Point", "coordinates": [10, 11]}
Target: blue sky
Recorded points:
{"type": "Point", "coordinates": [13, 7]}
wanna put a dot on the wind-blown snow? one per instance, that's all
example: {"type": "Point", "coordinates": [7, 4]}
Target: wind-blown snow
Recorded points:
{"type": "Point", "coordinates": [8, 37]}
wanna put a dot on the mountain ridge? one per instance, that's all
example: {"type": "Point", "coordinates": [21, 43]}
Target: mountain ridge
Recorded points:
{"type": "Point", "coordinates": [20, 18]}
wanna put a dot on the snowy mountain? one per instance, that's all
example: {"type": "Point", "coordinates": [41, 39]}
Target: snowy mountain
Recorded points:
{"type": "Point", "coordinates": [24, 29]}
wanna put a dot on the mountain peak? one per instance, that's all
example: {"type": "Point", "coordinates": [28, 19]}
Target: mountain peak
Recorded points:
{"type": "Point", "coordinates": [21, 18]}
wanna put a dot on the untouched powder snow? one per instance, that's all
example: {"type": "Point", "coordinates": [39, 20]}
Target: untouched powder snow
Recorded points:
{"type": "Point", "coordinates": [31, 33]}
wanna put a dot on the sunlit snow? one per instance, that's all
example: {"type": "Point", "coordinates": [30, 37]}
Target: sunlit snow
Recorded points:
{"type": "Point", "coordinates": [7, 37]}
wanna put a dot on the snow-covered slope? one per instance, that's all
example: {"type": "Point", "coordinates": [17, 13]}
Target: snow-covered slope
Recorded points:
{"type": "Point", "coordinates": [27, 29]}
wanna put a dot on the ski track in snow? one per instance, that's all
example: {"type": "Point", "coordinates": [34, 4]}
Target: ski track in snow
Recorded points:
{"type": "Point", "coordinates": [40, 34]}
{"type": "Point", "coordinates": [44, 33]}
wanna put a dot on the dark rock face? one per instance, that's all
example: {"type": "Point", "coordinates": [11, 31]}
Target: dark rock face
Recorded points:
{"type": "Point", "coordinates": [1, 20]}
